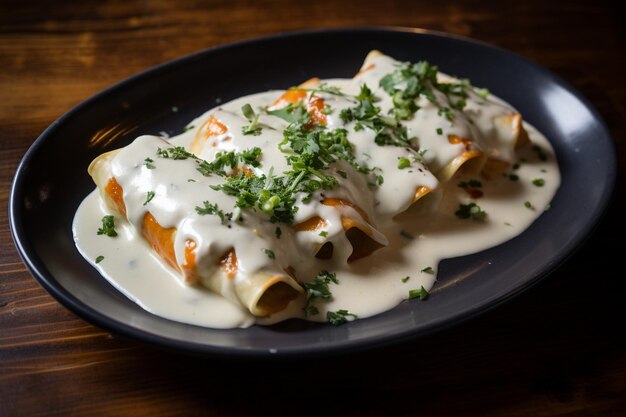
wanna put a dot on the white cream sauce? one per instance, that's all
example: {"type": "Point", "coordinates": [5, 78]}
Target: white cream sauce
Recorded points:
{"type": "Point", "coordinates": [366, 287]}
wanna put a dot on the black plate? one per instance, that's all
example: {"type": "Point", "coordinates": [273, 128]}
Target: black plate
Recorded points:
{"type": "Point", "coordinates": [51, 181]}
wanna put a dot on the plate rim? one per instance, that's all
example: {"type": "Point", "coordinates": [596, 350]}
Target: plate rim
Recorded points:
{"type": "Point", "coordinates": [39, 271]}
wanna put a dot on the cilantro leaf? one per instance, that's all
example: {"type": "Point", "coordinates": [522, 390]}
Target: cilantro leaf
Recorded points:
{"type": "Point", "coordinates": [339, 317]}
{"type": "Point", "coordinates": [108, 226]}
{"type": "Point", "coordinates": [318, 288]}
{"type": "Point", "coordinates": [421, 293]}
{"type": "Point", "coordinates": [213, 209]}
{"type": "Point", "coordinates": [471, 210]}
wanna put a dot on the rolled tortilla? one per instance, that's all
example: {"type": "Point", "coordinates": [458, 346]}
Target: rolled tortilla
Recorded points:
{"type": "Point", "coordinates": [215, 136]}
{"type": "Point", "coordinates": [262, 293]}
{"type": "Point", "coordinates": [362, 235]}
{"type": "Point", "coordinates": [463, 151]}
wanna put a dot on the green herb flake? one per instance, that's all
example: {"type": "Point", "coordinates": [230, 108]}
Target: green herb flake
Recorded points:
{"type": "Point", "coordinates": [405, 279]}
{"type": "Point", "coordinates": [439, 131]}
{"type": "Point", "coordinates": [428, 270]}
{"type": "Point", "coordinates": [422, 294]}
{"type": "Point", "coordinates": [188, 128]}
{"type": "Point", "coordinates": [471, 211]}
{"type": "Point", "coordinates": [270, 253]}
{"type": "Point", "coordinates": [318, 288]}
{"type": "Point", "coordinates": [339, 317]}
{"type": "Point", "coordinates": [539, 182]}
{"type": "Point", "coordinates": [367, 114]}
{"type": "Point", "coordinates": [149, 197]}
{"type": "Point", "coordinates": [529, 205]}
{"type": "Point", "coordinates": [323, 233]}
{"type": "Point", "coordinates": [278, 232]}
{"type": "Point", "coordinates": [108, 226]}
{"type": "Point", "coordinates": [547, 207]}
{"type": "Point", "coordinates": [516, 166]}
{"type": "Point", "coordinates": [292, 113]}
{"type": "Point", "coordinates": [149, 163]}
{"type": "Point", "coordinates": [213, 209]}
{"type": "Point", "coordinates": [253, 128]}
{"type": "Point", "coordinates": [403, 163]}
{"type": "Point", "coordinates": [99, 259]}
{"type": "Point", "coordinates": [191, 180]}
{"type": "Point", "coordinates": [514, 177]}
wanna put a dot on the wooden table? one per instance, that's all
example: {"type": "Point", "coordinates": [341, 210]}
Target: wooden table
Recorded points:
{"type": "Point", "coordinates": [556, 350]}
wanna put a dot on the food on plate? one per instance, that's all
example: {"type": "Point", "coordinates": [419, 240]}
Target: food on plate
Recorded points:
{"type": "Point", "coordinates": [332, 200]}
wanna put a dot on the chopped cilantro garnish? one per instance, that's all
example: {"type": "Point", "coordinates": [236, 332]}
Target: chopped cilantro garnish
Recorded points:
{"type": "Point", "coordinates": [230, 160]}
{"type": "Point", "coordinates": [339, 317]}
{"type": "Point", "coordinates": [421, 293]}
{"type": "Point", "coordinates": [318, 288]}
{"type": "Point", "coordinates": [278, 232]}
{"type": "Point", "coordinates": [403, 162]}
{"type": "Point", "coordinates": [99, 259]}
{"type": "Point", "coordinates": [292, 113]}
{"type": "Point", "coordinates": [529, 205]}
{"type": "Point", "coordinates": [428, 270]}
{"type": "Point", "coordinates": [149, 163]}
{"type": "Point", "coordinates": [388, 130]}
{"type": "Point", "coordinates": [269, 253]}
{"type": "Point", "coordinates": [323, 88]}
{"type": "Point", "coordinates": [471, 210]}
{"type": "Point", "coordinates": [439, 131]}
{"type": "Point", "coordinates": [188, 128]}
{"type": "Point", "coordinates": [253, 128]}
{"type": "Point", "coordinates": [405, 279]}
{"type": "Point", "coordinates": [514, 177]}
{"type": "Point", "coordinates": [310, 151]}
{"type": "Point", "coordinates": [539, 182]}
{"type": "Point", "coordinates": [323, 233]}
{"type": "Point", "coordinates": [547, 207]}
{"type": "Point", "coordinates": [149, 197]}
{"type": "Point", "coordinates": [213, 209]}
{"type": "Point", "coordinates": [410, 81]}
{"type": "Point", "coordinates": [108, 226]}
{"type": "Point", "coordinates": [175, 152]}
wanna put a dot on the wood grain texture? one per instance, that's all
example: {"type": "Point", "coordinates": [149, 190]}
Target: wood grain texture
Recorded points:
{"type": "Point", "coordinates": [557, 350]}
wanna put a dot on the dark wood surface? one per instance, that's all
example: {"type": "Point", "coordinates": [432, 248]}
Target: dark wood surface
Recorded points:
{"type": "Point", "coordinates": [557, 350]}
